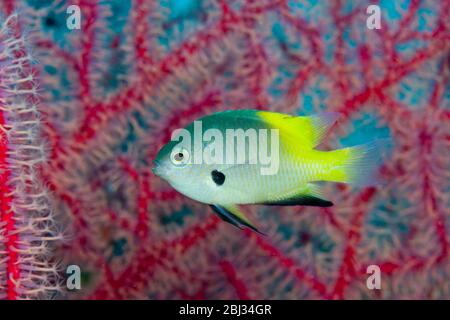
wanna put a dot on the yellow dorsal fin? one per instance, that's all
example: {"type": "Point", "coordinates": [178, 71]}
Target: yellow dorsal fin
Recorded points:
{"type": "Point", "coordinates": [308, 131]}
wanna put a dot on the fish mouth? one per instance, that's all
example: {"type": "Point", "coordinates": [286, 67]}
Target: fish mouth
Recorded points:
{"type": "Point", "coordinates": [157, 168]}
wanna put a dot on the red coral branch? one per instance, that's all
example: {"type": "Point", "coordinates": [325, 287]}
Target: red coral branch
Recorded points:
{"type": "Point", "coordinates": [234, 280]}
{"type": "Point", "coordinates": [347, 269]}
{"type": "Point", "coordinates": [290, 264]}
{"type": "Point", "coordinates": [7, 223]}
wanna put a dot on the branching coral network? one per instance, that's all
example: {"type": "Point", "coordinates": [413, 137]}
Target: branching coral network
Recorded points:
{"type": "Point", "coordinates": [112, 92]}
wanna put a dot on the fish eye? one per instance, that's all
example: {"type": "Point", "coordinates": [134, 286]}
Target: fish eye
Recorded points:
{"type": "Point", "coordinates": [180, 157]}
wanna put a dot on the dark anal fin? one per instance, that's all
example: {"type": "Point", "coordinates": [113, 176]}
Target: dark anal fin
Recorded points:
{"type": "Point", "coordinates": [234, 216]}
{"type": "Point", "coordinates": [309, 195]}
{"type": "Point", "coordinates": [301, 201]}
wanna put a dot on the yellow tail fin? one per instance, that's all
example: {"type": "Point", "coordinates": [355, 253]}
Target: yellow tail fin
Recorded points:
{"type": "Point", "coordinates": [358, 165]}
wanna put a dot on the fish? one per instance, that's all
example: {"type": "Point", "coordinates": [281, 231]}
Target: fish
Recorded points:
{"type": "Point", "coordinates": [246, 156]}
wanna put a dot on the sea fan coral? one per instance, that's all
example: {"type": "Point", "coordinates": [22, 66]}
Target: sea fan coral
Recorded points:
{"type": "Point", "coordinates": [113, 92]}
{"type": "Point", "coordinates": [26, 222]}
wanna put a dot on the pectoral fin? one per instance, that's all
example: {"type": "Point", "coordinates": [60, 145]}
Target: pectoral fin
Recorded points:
{"type": "Point", "coordinates": [233, 215]}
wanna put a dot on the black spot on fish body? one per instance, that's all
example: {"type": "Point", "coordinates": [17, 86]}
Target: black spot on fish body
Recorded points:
{"type": "Point", "coordinates": [218, 177]}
